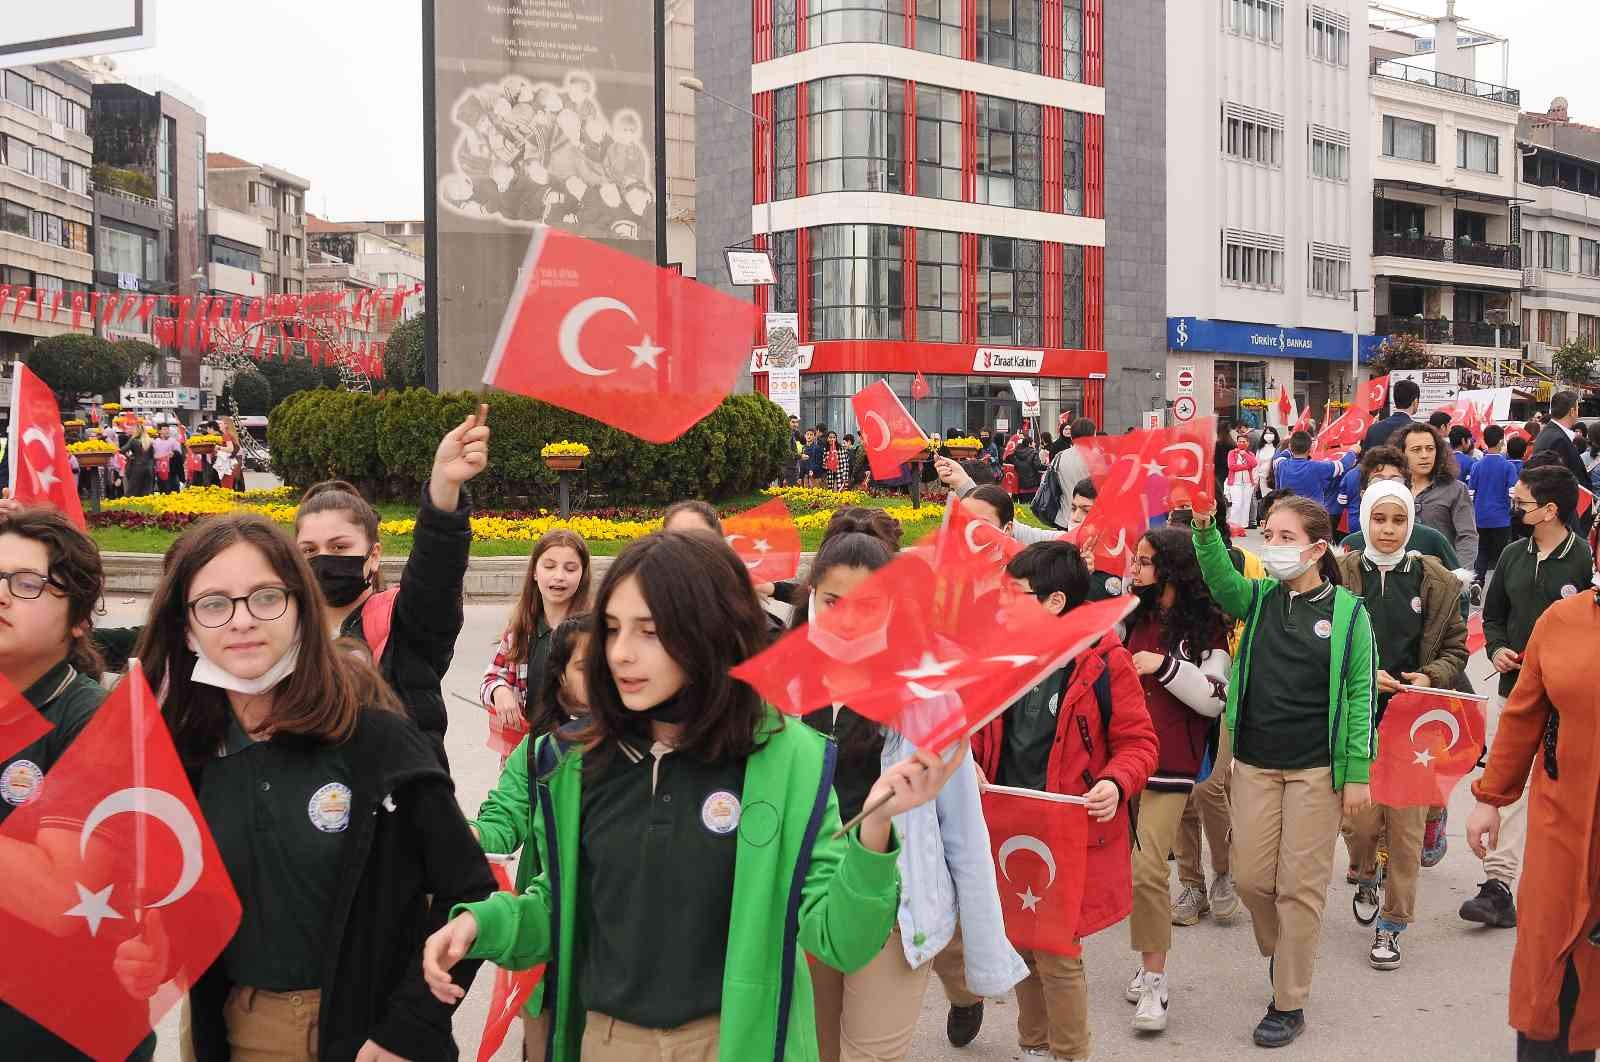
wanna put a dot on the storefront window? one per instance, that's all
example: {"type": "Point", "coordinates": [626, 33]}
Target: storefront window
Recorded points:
{"type": "Point", "coordinates": [1010, 310]}
{"type": "Point", "coordinates": [955, 404]}
{"type": "Point", "coordinates": [856, 282]}
{"type": "Point", "coordinates": [1236, 381]}
{"type": "Point", "coordinates": [855, 138]}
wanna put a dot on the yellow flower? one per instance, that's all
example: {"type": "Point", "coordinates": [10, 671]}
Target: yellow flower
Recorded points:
{"type": "Point", "coordinates": [564, 448]}
{"type": "Point", "coordinates": [91, 446]}
{"type": "Point", "coordinates": [962, 442]}
{"type": "Point", "coordinates": [73, 423]}
{"type": "Point", "coordinates": [205, 439]}
{"type": "Point", "coordinates": [816, 497]}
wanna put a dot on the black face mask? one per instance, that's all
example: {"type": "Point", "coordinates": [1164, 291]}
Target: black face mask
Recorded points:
{"type": "Point", "coordinates": [675, 709]}
{"type": "Point", "coordinates": [342, 577]}
{"type": "Point", "coordinates": [1148, 596]}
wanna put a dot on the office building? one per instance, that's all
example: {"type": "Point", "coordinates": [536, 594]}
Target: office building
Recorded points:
{"type": "Point", "coordinates": [1560, 195]}
{"type": "Point", "coordinates": [277, 198]}
{"type": "Point", "coordinates": [351, 258]}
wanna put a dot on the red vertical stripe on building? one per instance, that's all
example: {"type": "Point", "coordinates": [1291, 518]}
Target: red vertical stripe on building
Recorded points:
{"type": "Point", "coordinates": [762, 21]}
{"type": "Point", "coordinates": [800, 30]}
{"type": "Point", "coordinates": [908, 281]}
{"type": "Point", "coordinates": [911, 26]}
{"type": "Point", "coordinates": [763, 301]}
{"type": "Point", "coordinates": [1094, 36]}
{"type": "Point", "coordinates": [1052, 294]}
{"type": "Point", "coordinates": [969, 147]}
{"type": "Point", "coordinates": [802, 127]}
{"type": "Point", "coordinates": [1094, 402]}
{"type": "Point", "coordinates": [1051, 15]}
{"type": "Point", "coordinates": [910, 135]}
{"type": "Point", "coordinates": [1094, 286]}
{"type": "Point", "coordinates": [761, 147]}
{"type": "Point", "coordinates": [802, 274]}
{"type": "Point", "coordinates": [1094, 165]}
{"type": "Point", "coordinates": [969, 28]}
{"type": "Point", "coordinates": [1051, 163]}
{"type": "Point", "coordinates": [969, 287]}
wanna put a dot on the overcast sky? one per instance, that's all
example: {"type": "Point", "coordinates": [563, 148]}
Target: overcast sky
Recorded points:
{"type": "Point", "coordinates": [332, 90]}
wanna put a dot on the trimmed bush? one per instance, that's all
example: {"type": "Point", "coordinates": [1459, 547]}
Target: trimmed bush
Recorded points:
{"type": "Point", "coordinates": [385, 443]}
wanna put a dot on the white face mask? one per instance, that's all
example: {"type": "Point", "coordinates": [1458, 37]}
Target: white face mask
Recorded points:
{"type": "Point", "coordinates": [209, 673]}
{"type": "Point", "coordinates": [1284, 563]}
{"type": "Point", "coordinates": [847, 650]}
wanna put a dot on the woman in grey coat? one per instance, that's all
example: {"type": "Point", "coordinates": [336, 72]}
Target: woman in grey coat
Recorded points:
{"type": "Point", "coordinates": [1443, 502]}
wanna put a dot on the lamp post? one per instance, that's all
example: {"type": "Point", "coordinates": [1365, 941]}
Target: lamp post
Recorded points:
{"type": "Point", "coordinates": [698, 87]}
{"type": "Point", "coordinates": [1355, 338]}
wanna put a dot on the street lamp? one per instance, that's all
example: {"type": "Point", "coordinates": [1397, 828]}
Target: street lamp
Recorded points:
{"type": "Point", "coordinates": [1355, 337]}
{"type": "Point", "coordinates": [698, 87]}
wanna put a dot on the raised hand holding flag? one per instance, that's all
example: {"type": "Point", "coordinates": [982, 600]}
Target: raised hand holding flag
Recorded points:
{"type": "Point", "coordinates": [1140, 475]}
{"type": "Point", "coordinates": [1428, 740]}
{"type": "Point", "coordinates": [40, 471]}
{"type": "Point", "coordinates": [919, 386]}
{"type": "Point", "coordinates": [888, 432]}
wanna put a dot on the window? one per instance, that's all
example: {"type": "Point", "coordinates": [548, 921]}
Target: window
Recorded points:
{"type": "Point", "coordinates": [14, 219]}
{"type": "Point", "coordinates": [291, 204]}
{"type": "Point", "coordinates": [77, 236]}
{"type": "Point", "coordinates": [783, 27]}
{"type": "Point", "coordinates": [1477, 151]}
{"type": "Point", "coordinates": [200, 170]}
{"type": "Point", "coordinates": [16, 276]}
{"type": "Point", "coordinates": [783, 131]}
{"type": "Point", "coordinates": [939, 27]}
{"type": "Point", "coordinates": [41, 282]}
{"type": "Point", "coordinates": [1072, 40]}
{"type": "Point", "coordinates": [1008, 153]}
{"type": "Point", "coordinates": [272, 241]}
{"type": "Point", "coordinates": [1010, 307]}
{"type": "Point", "coordinates": [1072, 162]}
{"type": "Point", "coordinates": [1405, 139]}
{"type": "Point", "coordinates": [19, 90]}
{"type": "Point", "coordinates": [871, 21]}
{"type": "Point", "coordinates": [1589, 330]}
{"type": "Point", "coordinates": [938, 286]}
{"type": "Point", "coordinates": [168, 133]}
{"type": "Point", "coordinates": [1252, 135]}
{"type": "Point", "coordinates": [854, 141]}
{"type": "Point", "coordinates": [77, 116]}
{"type": "Point", "coordinates": [1553, 327]}
{"type": "Point", "coordinates": [119, 250]}
{"type": "Point", "coordinates": [1330, 153]}
{"type": "Point", "coordinates": [938, 142]}
{"type": "Point", "coordinates": [1330, 270]}
{"type": "Point", "coordinates": [1261, 19]}
{"type": "Point", "coordinates": [1008, 33]}
{"type": "Point", "coordinates": [786, 291]}
{"type": "Point", "coordinates": [1328, 36]}
{"type": "Point", "coordinates": [1252, 259]}
{"type": "Point", "coordinates": [18, 154]}
{"type": "Point", "coordinates": [1555, 251]}
{"type": "Point", "coordinates": [260, 195]}
{"type": "Point", "coordinates": [1589, 257]}
{"type": "Point", "coordinates": [857, 291]}
{"type": "Point", "coordinates": [292, 246]}
{"type": "Point", "coordinates": [1071, 296]}
{"type": "Point", "coordinates": [293, 287]}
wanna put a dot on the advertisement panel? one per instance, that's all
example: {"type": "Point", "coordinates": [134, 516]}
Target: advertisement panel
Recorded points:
{"type": "Point", "coordinates": [42, 33]}
{"type": "Point", "coordinates": [536, 112]}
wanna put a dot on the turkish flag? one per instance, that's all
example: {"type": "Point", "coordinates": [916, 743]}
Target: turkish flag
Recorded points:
{"type": "Point", "coordinates": [1343, 434]}
{"type": "Point", "coordinates": [1304, 421]}
{"type": "Point", "coordinates": [1040, 843]}
{"type": "Point", "coordinates": [40, 473]}
{"type": "Point", "coordinates": [1428, 740]}
{"type": "Point", "coordinates": [767, 540]}
{"type": "Point", "coordinates": [511, 987]}
{"type": "Point", "coordinates": [20, 723]}
{"type": "Point", "coordinates": [618, 339]}
{"type": "Point", "coordinates": [888, 432]}
{"type": "Point", "coordinates": [134, 868]}
{"type": "Point", "coordinates": [1475, 636]}
{"type": "Point", "coordinates": [1585, 500]}
{"type": "Point", "coordinates": [919, 386]}
{"type": "Point", "coordinates": [1285, 405]}
{"type": "Point", "coordinates": [1142, 474]}
{"type": "Point", "coordinates": [1375, 394]}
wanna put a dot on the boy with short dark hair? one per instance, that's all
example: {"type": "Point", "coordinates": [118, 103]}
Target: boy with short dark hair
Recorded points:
{"type": "Point", "coordinates": [1493, 476]}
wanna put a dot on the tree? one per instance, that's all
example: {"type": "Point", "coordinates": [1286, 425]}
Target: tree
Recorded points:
{"type": "Point", "coordinates": [404, 359]}
{"type": "Point", "coordinates": [1574, 362]}
{"type": "Point", "coordinates": [1399, 351]}
{"type": "Point", "coordinates": [74, 366]}
{"type": "Point", "coordinates": [136, 354]}
{"type": "Point", "coordinates": [296, 374]}
{"type": "Point", "coordinates": [252, 392]}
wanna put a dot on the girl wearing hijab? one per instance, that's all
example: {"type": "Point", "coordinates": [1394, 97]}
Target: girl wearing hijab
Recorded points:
{"type": "Point", "coordinates": [1414, 605]}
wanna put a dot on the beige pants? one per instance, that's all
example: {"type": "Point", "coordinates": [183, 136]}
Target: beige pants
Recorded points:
{"type": "Point", "coordinates": [1208, 807]}
{"type": "Point", "coordinates": [1284, 825]}
{"type": "Point", "coordinates": [272, 1026]}
{"type": "Point", "coordinates": [1150, 928]}
{"type": "Point", "coordinates": [1052, 1002]}
{"type": "Point", "coordinates": [1504, 860]}
{"type": "Point", "coordinates": [606, 1039]}
{"type": "Point", "coordinates": [1404, 827]}
{"type": "Point", "coordinates": [535, 1034]}
{"type": "Point", "coordinates": [870, 1015]}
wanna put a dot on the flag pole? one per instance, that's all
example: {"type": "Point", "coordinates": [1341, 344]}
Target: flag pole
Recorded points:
{"type": "Point", "coordinates": [141, 838]}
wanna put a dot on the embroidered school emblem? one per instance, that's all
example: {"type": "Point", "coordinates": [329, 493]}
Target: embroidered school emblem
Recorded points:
{"type": "Point", "coordinates": [19, 782]}
{"type": "Point", "coordinates": [720, 813]}
{"type": "Point", "coordinates": [329, 807]}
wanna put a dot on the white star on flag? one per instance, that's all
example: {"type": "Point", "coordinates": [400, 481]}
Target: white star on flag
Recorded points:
{"type": "Point", "coordinates": [646, 353]}
{"type": "Point", "coordinates": [44, 477]}
{"type": "Point", "coordinates": [94, 907]}
{"type": "Point", "coordinates": [1029, 900]}
{"type": "Point", "coordinates": [1155, 468]}
{"type": "Point", "coordinates": [1423, 757]}
{"type": "Point", "coordinates": [929, 667]}
{"type": "Point", "coordinates": [761, 545]}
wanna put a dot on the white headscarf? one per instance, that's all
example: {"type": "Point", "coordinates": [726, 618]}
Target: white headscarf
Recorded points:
{"type": "Point", "coordinates": [1386, 490]}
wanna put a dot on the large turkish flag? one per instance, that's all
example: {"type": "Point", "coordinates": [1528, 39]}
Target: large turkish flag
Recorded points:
{"type": "Point", "coordinates": [1039, 842]}
{"type": "Point", "coordinates": [1375, 394]}
{"type": "Point", "coordinates": [1428, 740]}
{"type": "Point", "coordinates": [618, 339]}
{"type": "Point", "coordinates": [1142, 474]}
{"type": "Point", "coordinates": [130, 862]}
{"type": "Point", "coordinates": [1344, 434]}
{"type": "Point", "coordinates": [40, 472]}
{"type": "Point", "coordinates": [888, 432]}
{"type": "Point", "coordinates": [767, 540]}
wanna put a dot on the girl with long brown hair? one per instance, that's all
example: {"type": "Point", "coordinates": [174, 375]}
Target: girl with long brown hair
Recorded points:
{"type": "Point", "coordinates": [333, 816]}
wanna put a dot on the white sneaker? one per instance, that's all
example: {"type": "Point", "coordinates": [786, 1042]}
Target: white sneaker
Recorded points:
{"type": "Point", "coordinates": [1151, 1016]}
{"type": "Point", "coordinates": [1135, 986]}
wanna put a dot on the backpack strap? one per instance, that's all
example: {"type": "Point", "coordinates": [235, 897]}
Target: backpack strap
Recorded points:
{"type": "Point", "coordinates": [377, 619]}
{"type": "Point", "coordinates": [1102, 700]}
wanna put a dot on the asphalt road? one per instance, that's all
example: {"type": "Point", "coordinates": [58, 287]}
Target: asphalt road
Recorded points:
{"type": "Point", "coordinates": [1446, 1004]}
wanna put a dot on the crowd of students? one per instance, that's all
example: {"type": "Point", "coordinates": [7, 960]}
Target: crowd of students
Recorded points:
{"type": "Point", "coordinates": [681, 870]}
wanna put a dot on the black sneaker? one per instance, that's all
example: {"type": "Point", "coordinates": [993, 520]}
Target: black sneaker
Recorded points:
{"type": "Point", "coordinates": [1280, 1028]}
{"type": "Point", "coordinates": [962, 1026]}
{"type": "Point", "coordinates": [1493, 906]}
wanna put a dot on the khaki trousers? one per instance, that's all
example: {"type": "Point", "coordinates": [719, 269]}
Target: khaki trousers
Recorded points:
{"type": "Point", "coordinates": [272, 1026]}
{"type": "Point", "coordinates": [1404, 827]}
{"type": "Point", "coordinates": [1504, 861]}
{"type": "Point", "coordinates": [606, 1039]}
{"type": "Point", "coordinates": [1284, 825]}
{"type": "Point", "coordinates": [1052, 1002]}
{"type": "Point", "coordinates": [1150, 928]}
{"type": "Point", "coordinates": [870, 1015]}
{"type": "Point", "coordinates": [1207, 807]}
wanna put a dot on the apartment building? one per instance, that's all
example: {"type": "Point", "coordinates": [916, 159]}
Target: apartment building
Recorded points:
{"type": "Point", "coordinates": [350, 257]}
{"type": "Point", "coordinates": [1560, 162]}
{"type": "Point", "coordinates": [277, 198]}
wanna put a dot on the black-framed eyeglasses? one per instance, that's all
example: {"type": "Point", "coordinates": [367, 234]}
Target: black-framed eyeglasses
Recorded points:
{"type": "Point", "coordinates": [26, 585]}
{"type": "Point", "coordinates": [265, 603]}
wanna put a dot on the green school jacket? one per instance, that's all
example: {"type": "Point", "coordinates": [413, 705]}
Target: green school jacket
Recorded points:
{"type": "Point", "coordinates": [1352, 673]}
{"type": "Point", "coordinates": [504, 824]}
{"type": "Point", "coordinates": [796, 891]}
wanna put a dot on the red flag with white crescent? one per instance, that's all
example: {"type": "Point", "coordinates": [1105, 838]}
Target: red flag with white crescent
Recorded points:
{"type": "Point", "coordinates": [1285, 405]}
{"type": "Point", "coordinates": [1428, 740]}
{"type": "Point", "coordinates": [1375, 393]}
{"type": "Point", "coordinates": [889, 433]}
{"type": "Point", "coordinates": [511, 987]}
{"type": "Point", "coordinates": [766, 540]}
{"type": "Point", "coordinates": [919, 386]}
{"type": "Point", "coordinates": [1342, 435]}
{"type": "Point", "coordinates": [40, 471]}
{"type": "Point", "coordinates": [1140, 475]}
{"type": "Point", "coordinates": [1039, 843]}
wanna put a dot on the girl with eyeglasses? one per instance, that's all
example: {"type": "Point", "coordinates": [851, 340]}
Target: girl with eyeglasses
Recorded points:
{"type": "Point", "coordinates": [51, 581]}
{"type": "Point", "coordinates": [334, 819]}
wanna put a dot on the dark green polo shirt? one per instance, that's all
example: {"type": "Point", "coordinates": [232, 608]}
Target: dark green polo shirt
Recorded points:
{"type": "Point", "coordinates": [280, 812]}
{"type": "Point", "coordinates": [1030, 734]}
{"type": "Point", "coordinates": [659, 840]}
{"type": "Point", "coordinates": [1283, 724]}
{"type": "Point", "coordinates": [1103, 587]}
{"type": "Point", "coordinates": [1394, 603]}
{"type": "Point", "coordinates": [1425, 540]}
{"type": "Point", "coordinates": [1524, 586]}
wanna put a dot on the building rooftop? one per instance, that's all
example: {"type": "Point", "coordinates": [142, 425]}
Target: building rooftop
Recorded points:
{"type": "Point", "coordinates": [221, 160]}
{"type": "Point", "coordinates": [218, 160]}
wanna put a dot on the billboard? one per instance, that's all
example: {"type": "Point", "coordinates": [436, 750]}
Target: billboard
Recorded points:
{"type": "Point", "coordinates": [69, 29]}
{"type": "Point", "coordinates": [536, 112]}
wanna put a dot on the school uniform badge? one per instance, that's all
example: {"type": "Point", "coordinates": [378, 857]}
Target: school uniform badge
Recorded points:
{"type": "Point", "coordinates": [720, 813]}
{"type": "Point", "coordinates": [1113, 586]}
{"type": "Point", "coordinates": [19, 782]}
{"type": "Point", "coordinates": [329, 807]}
{"type": "Point", "coordinates": [1323, 628]}
{"type": "Point", "coordinates": [1567, 590]}
{"type": "Point", "coordinates": [1416, 605]}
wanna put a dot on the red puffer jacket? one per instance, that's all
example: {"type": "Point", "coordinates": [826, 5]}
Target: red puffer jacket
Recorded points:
{"type": "Point", "coordinates": [1077, 763]}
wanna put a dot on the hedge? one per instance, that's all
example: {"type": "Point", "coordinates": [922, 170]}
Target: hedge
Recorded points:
{"type": "Point", "coordinates": [385, 442]}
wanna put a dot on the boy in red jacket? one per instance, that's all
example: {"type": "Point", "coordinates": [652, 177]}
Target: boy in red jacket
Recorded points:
{"type": "Point", "coordinates": [1055, 739]}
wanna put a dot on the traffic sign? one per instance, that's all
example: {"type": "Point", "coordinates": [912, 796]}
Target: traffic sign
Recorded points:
{"type": "Point", "coordinates": [1185, 379]}
{"type": "Point", "coordinates": [1183, 408]}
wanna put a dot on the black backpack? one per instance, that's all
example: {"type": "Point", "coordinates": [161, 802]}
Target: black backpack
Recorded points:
{"type": "Point", "coordinates": [1047, 499]}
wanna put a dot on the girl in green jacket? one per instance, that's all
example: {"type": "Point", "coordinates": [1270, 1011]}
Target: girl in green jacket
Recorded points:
{"type": "Point", "coordinates": [1303, 736]}
{"type": "Point", "coordinates": [686, 839]}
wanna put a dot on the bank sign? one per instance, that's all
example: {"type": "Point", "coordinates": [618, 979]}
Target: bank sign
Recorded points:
{"type": "Point", "coordinates": [1263, 341]}
{"type": "Point", "coordinates": [1008, 361]}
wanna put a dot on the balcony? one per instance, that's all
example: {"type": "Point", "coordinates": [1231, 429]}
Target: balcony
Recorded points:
{"type": "Point", "coordinates": [1462, 86]}
{"type": "Point", "coordinates": [1441, 249]}
{"type": "Point", "coordinates": [1449, 333]}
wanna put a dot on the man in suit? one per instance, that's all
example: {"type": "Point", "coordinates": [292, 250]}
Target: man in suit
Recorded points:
{"type": "Point", "coordinates": [1557, 433]}
{"type": "Point", "coordinates": [1404, 396]}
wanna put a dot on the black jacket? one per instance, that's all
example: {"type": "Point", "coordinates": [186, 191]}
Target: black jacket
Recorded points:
{"type": "Point", "coordinates": [410, 859]}
{"type": "Point", "coordinates": [427, 615]}
{"type": "Point", "coordinates": [1554, 437]}
{"type": "Point", "coordinates": [1029, 468]}
{"type": "Point", "coordinates": [1378, 434]}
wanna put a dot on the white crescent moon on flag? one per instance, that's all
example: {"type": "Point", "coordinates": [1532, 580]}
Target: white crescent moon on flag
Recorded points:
{"type": "Point", "coordinates": [572, 327]}
{"type": "Point", "coordinates": [877, 418]}
{"type": "Point", "coordinates": [1025, 843]}
{"type": "Point", "coordinates": [972, 545]}
{"type": "Point", "coordinates": [1199, 458]}
{"type": "Point", "coordinates": [158, 804]}
{"type": "Point", "coordinates": [748, 564]}
{"type": "Point", "coordinates": [36, 434]}
{"type": "Point", "coordinates": [1437, 715]}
